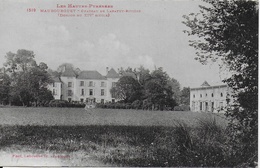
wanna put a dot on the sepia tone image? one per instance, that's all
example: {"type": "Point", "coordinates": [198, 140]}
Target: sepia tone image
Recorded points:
{"type": "Point", "coordinates": [110, 83]}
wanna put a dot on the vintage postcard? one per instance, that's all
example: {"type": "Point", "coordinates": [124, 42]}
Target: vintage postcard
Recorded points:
{"type": "Point", "coordinates": [125, 83]}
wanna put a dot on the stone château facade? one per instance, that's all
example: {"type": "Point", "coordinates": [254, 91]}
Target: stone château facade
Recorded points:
{"type": "Point", "coordinates": [84, 86]}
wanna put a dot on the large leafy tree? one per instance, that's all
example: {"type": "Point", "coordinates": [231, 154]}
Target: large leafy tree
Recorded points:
{"type": "Point", "coordinates": [185, 96]}
{"type": "Point", "coordinates": [143, 75]}
{"type": "Point", "coordinates": [176, 89]}
{"type": "Point", "coordinates": [39, 79]}
{"type": "Point", "coordinates": [158, 90]}
{"type": "Point", "coordinates": [28, 78]}
{"type": "Point", "coordinates": [4, 87]}
{"type": "Point", "coordinates": [127, 89]}
{"type": "Point", "coordinates": [227, 31]}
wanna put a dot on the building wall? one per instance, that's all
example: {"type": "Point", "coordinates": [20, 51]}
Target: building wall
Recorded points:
{"type": "Point", "coordinates": [55, 88]}
{"type": "Point", "coordinates": [209, 99]}
{"type": "Point", "coordinates": [66, 88]}
{"type": "Point", "coordinates": [91, 89]}
{"type": "Point", "coordinates": [80, 89]}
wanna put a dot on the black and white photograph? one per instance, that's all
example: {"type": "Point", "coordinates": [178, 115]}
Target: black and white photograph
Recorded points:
{"type": "Point", "coordinates": [129, 83]}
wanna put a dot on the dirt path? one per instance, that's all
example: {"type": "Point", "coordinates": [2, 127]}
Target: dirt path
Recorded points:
{"type": "Point", "coordinates": [43, 158]}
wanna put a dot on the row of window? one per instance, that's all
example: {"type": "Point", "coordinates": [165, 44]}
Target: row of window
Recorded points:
{"type": "Point", "coordinates": [82, 93]}
{"type": "Point", "coordinates": [90, 83]}
{"type": "Point", "coordinates": [91, 92]}
{"type": "Point", "coordinates": [212, 95]}
{"type": "Point", "coordinates": [82, 83]}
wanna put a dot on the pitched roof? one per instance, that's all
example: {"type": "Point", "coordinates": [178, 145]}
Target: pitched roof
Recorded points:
{"type": "Point", "coordinates": [112, 74]}
{"type": "Point", "coordinates": [90, 75]}
{"type": "Point", "coordinates": [205, 83]}
{"type": "Point", "coordinates": [68, 73]}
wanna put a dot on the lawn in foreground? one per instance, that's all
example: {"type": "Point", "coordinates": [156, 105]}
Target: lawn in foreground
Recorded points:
{"type": "Point", "coordinates": [122, 145]}
{"type": "Point", "coordinates": [78, 116]}
{"type": "Point", "coordinates": [117, 137]}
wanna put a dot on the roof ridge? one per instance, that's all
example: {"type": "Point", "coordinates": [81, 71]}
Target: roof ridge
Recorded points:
{"type": "Point", "coordinates": [112, 73]}
{"type": "Point", "coordinates": [90, 74]}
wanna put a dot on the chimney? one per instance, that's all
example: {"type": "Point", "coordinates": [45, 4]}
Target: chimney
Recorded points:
{"type": "Point", "coordinates": [107, 70]}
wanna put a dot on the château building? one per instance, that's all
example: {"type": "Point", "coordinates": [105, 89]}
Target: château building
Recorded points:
{"type": "Point", "coordinates": [208, 98]}
{"type": "Point", "coordinates": [84, 86]}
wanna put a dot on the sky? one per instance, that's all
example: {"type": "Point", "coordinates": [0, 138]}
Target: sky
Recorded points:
{"type": "Point", "coordinates": [152, 37]}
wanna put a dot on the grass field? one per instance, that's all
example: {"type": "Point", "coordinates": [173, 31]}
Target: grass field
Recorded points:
{"type": "Point", "coordinates": [78, 116]}
{"type": "Point", "coordinates": [113, 137]}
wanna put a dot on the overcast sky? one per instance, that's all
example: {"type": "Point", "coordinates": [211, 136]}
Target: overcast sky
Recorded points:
{"type": "Point", "coordinates": [152, 37]}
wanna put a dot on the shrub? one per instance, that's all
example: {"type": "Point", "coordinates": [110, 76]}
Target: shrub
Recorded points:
{"type": "Point", "coordinates": [177, 108]}
{"type": "Point", "coordinates": [182, 108]}
{"type": "Point", "coordinates": [185, 108]}
{"type": "Point", "coordinates": [123, 106]}
{"type": "Point", "coordinates": [117, 106]}
{"type": "Point", "coordinates": [128, 106]}
{"type": "Point", "coordinates": [137, 104]}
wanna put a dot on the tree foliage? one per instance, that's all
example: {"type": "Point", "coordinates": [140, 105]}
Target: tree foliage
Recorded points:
{"type": "Point", "coordinates": [5, 82]}
{"type": "Point", "coordinates": [228, 31]}
{"type": "Point", "coordinates": [28, 80]}
{"type": "Point", "coordinates": [158, 90]}
{"type": "Point", "coordinates": [185, 96]}
{"type": "Point", "coordinates": [155, 90]}
{"type": "Point", "coordinates": [126, 89]}
{"type": "Point", "coordinates": [176, 89]}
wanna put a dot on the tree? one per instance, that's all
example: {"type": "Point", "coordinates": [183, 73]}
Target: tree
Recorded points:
{"type": "Point", "coordinates": [28, 78]}
{"type": "Point", "coordinates": [39, 79]}
{"type": "Point", "coordinates": [158, 91]}
{"type": "Point", "coordinates": [228, 31]}
{"type": "Point", "coordinates": [19, 62]}
{"type": "Point", "coordinates": [44, 96]}
{"type": "Point", "coordinates": [185, 96]}
{"type": "Point", "coordinates": [155, 90]}
{"type": "Point", "coordinates": [127, 89]}
{"type": "Point", "coordinates": [143, 75]}
{"type": "Point", "coordinates": [176, 89]}
{"type": "Point", "coordinates": [4, 87]}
